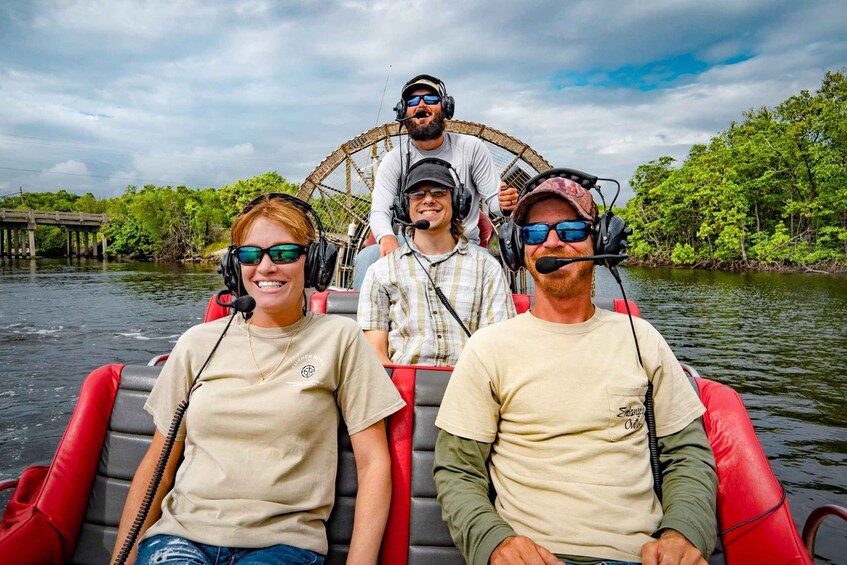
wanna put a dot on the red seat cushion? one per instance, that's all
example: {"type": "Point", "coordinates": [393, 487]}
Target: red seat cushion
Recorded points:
{"type": "Point", "coordinates": [47, 514]}
{"type": "Point", "coordinates": [747, 487]}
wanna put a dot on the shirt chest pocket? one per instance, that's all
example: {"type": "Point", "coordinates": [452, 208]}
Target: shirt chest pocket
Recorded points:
{"type": "Point", "coordinates": [626, 411]}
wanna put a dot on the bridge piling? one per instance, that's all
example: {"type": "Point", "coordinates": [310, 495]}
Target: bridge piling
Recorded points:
{"type": "Point", "coordinates": [31, 233]}
{"type": "Point", "coordinates": [17, 231]}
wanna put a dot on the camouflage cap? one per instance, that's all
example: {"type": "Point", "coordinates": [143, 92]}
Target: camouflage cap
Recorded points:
{"type": "Point", "coordinates": [571, 191]}
{"type": "Point", "coordinates": [422, 81]}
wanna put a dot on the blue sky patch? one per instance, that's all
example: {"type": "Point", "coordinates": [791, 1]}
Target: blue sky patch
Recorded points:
{"type": "Point", "coordinates": [655, 75]}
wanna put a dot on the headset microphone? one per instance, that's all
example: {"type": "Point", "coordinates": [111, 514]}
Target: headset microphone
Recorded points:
{"type": "Point", "coordinates": [419, 225]}
{"type": "Point", "coordinates": [244, 304]}
{"type": "Point", "coordinates": [547, 265]}
{"type": "Point", "coordinates": [418, 114]}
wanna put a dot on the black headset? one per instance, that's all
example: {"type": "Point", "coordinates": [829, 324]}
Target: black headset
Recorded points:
{"type": "Point", "coordinates": [448, 105]}
{"type": "Point", "coordinates": [461, 197]}
{"type": "Point", "coordinates": [609, 231]}
{"type": "Point", "coordinates": [321, 255]}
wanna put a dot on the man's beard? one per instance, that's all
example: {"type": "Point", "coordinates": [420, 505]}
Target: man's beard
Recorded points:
{"type": "Point", "coordinates": [565, 284]}
{"type": "Point", "coordinates": [431, 131]}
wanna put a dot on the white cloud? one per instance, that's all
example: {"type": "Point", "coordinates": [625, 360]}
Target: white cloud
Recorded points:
{"type": "Point", "coordinates": [69, 168]}
{"type": "Point", "coordinates": [198, 93]}
{"type": "Point", "coordinates": [215, 166]}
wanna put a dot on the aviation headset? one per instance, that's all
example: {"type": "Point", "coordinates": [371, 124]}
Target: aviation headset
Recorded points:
{"type": "Point", "coordinates": [321, 255]}
{"type": "Point", "coordinates": [609, 231]}
{"type": "Point", "coordinates": [461, 197]}
{"type": "Point", "coordinates": [448, 105]}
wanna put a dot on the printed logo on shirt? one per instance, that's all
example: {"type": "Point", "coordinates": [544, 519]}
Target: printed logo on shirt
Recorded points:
{"type": "Point", "coordinates": [310, 368]}
{"type": "Point", "coordinates": [631, 416]}
{"type": "Point", "coordinates": [626, 411]}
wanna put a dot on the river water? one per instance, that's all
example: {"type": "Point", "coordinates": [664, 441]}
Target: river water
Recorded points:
{"type": "Point", "coordinates": [778, 339]}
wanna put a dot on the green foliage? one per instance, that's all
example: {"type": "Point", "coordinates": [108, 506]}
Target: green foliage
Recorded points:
{"type": "Point", "coordinates": [236, 196]}
{"type": "Point", "coordinates": [51, 241]}
{"type": "Point", "coordinates": [164, 223]}
{"type": "Point", "coordinates": [772, 188]}
{"type": "Point", "coordinates": [160, 223]}
{"type": "Point", "coordinates": [683, 254]}
{"type": "Point", "coordinates": [61, 201]}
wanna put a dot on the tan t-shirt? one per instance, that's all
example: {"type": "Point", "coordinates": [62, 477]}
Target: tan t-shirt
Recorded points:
{"type": "Point", "coordinates": [563, 406]}
{"type": "Point", "coordinates": [261, 456]}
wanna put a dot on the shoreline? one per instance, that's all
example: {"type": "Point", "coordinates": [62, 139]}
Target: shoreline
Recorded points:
{"type": "Point", "coordinates": [742, 267]}
{"type": "Point", "coordinates": [726, 266]}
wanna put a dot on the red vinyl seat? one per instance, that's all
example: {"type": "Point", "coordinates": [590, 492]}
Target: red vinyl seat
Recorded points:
{"type": "Point", "coordinates": [344, 302]}
{"type": "Point", "coordinates": [752, 510]}
{"type": "Point", "coordinates": [67, 512]}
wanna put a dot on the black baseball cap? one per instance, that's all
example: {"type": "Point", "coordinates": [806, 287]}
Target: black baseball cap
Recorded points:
{"type": "Point", "coordinates": [429, 171]}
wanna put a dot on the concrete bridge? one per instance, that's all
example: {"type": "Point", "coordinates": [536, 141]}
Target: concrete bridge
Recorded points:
{"type": "Point", "coordinates": [17, 232]}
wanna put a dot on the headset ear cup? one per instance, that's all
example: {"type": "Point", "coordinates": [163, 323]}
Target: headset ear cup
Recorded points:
{"type": "Point", "coordinates": [511, 246]}
{"type": "Point", "coordinates": [400, 110]}
{"type": "Point", "coordinates": [599, 234]}
{"type": "Point", "coordinates": [448, 105]}
{"type": "Point", "coordinates": [310, 269]}
{"type": "Point", "coordinates": [320, 264]}
{"type": "Point", "coordinates": [602, 243]}
{"type": "Point", "coordinates": [231, 271]}
{"type": "Point", "coordinates": [400, 207]}
{"type": "Point", "coordinates": [617, 233]}
{"type": "Point", "coordinates": [462, 202]}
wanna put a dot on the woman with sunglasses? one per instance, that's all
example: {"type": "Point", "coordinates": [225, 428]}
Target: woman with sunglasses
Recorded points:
{"type": "Point", "coordinates": [259, 438]}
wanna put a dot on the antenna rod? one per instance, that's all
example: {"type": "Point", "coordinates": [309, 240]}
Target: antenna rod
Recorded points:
{"type": "Point", "coordinates": [384, 88]}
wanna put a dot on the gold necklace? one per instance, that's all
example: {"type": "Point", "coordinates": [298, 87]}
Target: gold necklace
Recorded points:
{"type": "Point", "coordinates": [262, 376]}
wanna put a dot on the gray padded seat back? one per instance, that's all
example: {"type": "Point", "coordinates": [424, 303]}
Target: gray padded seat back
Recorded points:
{"type": "Point", "coordinates": [429, 538]}
{"type": "Point", "coordinates": [127, 439]}
{"type": "Point", "coordinates": [343, 304]}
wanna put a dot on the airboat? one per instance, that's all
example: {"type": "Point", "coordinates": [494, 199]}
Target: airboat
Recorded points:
{"type": "Point", "coordinates": [68, 511]}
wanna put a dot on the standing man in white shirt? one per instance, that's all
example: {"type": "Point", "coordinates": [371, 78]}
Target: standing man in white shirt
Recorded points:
{"type": "Point", "coordinates": [423, 108]}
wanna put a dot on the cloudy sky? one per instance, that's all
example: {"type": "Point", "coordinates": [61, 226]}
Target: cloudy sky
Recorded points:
{"type": "Point", "coordinates": [98, 95]}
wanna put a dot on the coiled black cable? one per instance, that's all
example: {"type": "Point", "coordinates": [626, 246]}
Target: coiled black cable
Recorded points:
{"type": "Point", "coordinates": [150, 495]}
{"type": "Point", "coordinates": [167, 447]}
{"type": "Point", "coordinates": [649, 416]}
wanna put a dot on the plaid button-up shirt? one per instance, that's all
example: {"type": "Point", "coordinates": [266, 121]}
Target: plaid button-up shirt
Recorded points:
{"type": "Point", "coordinates": [398, 297]}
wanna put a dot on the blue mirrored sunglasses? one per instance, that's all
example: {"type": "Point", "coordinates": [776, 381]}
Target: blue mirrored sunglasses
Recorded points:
{"type": "Point", "coordinates": [428, 99]}
{"type": "Point", "coordinates": [280, 254]}
{"type": "Point", "coordinates": [570, 231]}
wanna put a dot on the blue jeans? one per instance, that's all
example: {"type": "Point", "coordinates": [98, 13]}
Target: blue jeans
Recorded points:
{"type": "Point", "coordinates": [173, 550]}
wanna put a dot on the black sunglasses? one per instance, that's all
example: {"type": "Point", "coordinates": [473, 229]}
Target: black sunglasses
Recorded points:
{"type": "Point", "coordinates": [280, 254]}
{"type": "Point", "coordinates": [570, 231]}
{"type": "Point", "coordinates": [428, 99]}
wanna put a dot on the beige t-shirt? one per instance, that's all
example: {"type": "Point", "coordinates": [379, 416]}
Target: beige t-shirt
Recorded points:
{"type": "Point", "coordinates": [563, 406]}
{"type": "Point", "coordinates": [261, 456]}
